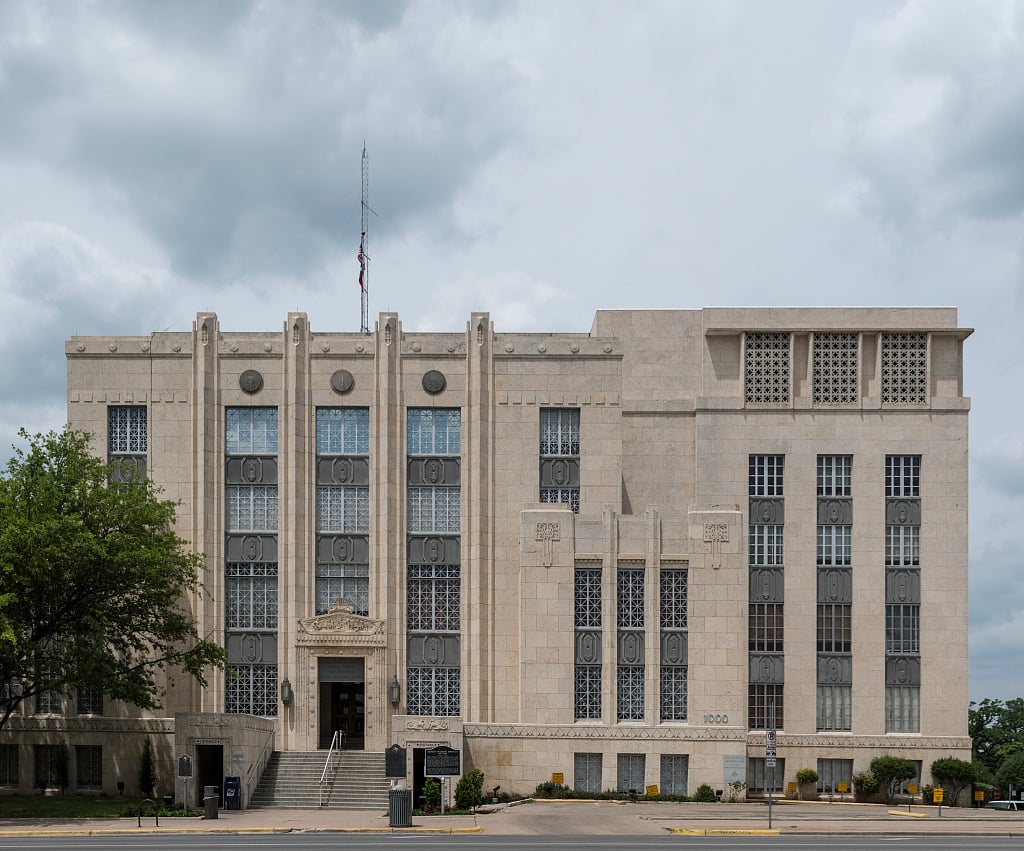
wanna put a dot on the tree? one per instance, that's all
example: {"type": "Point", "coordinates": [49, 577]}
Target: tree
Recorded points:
{"type": "Point", "coordinates": [996, 729]}
{"type": "Point", "coordinates": [93, 580]}
{"type": "Point", "coordinates": [1011, 771]}
{"type": "Point", "coordinates": [147, 770]}
{"type": "Point", "coordinates": [891, 771]}
{"type": "Point", "coordinates": [469, 791]}
{"type": "Point", "coordinates": [955, 775]}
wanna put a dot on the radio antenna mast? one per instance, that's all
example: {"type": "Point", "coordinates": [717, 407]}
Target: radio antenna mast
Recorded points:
{"type": "Point", "coordinates": [364, 257]}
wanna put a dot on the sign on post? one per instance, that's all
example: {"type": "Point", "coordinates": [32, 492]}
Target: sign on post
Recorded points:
{"type": "Point", "coordinates": [442, 761]}
{"type": "Point", "coordinates": [184, 766]}
{"type": "Point", "coordinates": [937, 794]}
{"type": "Point", "coordinates": [395, 764]}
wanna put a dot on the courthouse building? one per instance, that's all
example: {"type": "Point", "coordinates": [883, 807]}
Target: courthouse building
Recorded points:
{"type": "Point", "coordinates": [621, 555]}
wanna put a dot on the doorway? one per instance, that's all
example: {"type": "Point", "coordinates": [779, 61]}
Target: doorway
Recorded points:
{"type": "Point", "coordinates": [209, 771]}
{"type": "Point", "coordinates": [342, 702]}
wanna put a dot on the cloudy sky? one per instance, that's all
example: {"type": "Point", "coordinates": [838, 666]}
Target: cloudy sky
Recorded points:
{"type": "Point", "coordinates": [538, 160]}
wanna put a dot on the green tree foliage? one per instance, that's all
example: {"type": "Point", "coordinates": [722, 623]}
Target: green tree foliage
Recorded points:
{"type": "Point", "coordinates": [1011, 771]}
{"type": "Point", "coordinates": [997, 730]}
{"type": "Point", "coordinates": [94, 583]}
{"type": "Point", "coordinates": [891, 771]}
{"type": "Point", "coordinates": [432, 793]}
{"type": "Point", "coordinates": [147, 770]}
{"type": "Point", "coordinates": [469, 791]}
{"type": "Point", "coordinates": [954, 775]}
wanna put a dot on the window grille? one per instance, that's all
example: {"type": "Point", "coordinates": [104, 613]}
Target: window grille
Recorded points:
{"type": "Point", "coordinates": [89, 766]}
{"type": "Point", "coordinates": [630, 773]}
{"type": "Point", "coordinates": [902, 628]}
{"type": "Point", "coordinates": [48, 702]}
{"type": "Point", "coordinates": [762, 779]}
{"type": "Point", "coordinates": [127, 432]}
{"type": "Point", "coordinates": [342, 508]}
{"type": "Point", "coordinates": [9, 770]}
{"type": "Point", "coordinates": [252, 690]}
{"type": "Point", "coordinates": [675, 767]}
{"type": "Point", "coordinates": [904, 369]}
{"type": "Point", "coordinates": [562, 496]}
{"type": "Point", "coordinates": [434, 510]}
{"type": "Point", "coordinates": [765, 546]}
{"type": "Point", "coordinates": [835, 369]}
{"type": "Point", "coordinates": [834, 707]}
{"type": "Point", "coordinates": [834, 546]}
{"type": "Point", "coordinates": [559, 432]}
{"type": "Point", "coordinates": [834, 628]}
{"type": "Point", "coordinates": [434, 431]}
{"type": "Point", "coordinates": [835, 475]}
{"type": "Point", "coordinates": [343, 431]}
{"type": "Point", "coordinates": [761, 698]}
{"type": "Point", "coordinates": [766, 627]}
{"type": "Point", "coordinates": [251, 596]}
{"type": "Point", "coordinates": [902, 709]}
{"type": "Point", "coordinates": [902, 546]}
{"type": "Point", "coordinates": [832, 772]}
{"type": "Point", "coordinates": [10, 691]}
{"type": "Point", "coordinates": [630, 703]}
{"type": "Point", "coordinates": [90, 701]}
{"type": "Point", "coordinates": [587, 692]}
{"type": "Point", "coordinates": [767, 368]}
{"type": "Point", "coordinates": [251, 431]}
{"type": "Point", "coordinates": [343, 581]}
{"type": "Point", "coordinates": [630, 598]}
{"type": "Point", "coordinates": [902, 475]}
{"type": "Point", "coordinates": [673, 692]}
{"type": "Point", "coordinates": [49, 760]}
{"type": "Point", "coordinates": [587, 598]}
{"type": "Point", "coordinates": [586, 772]}
{"type": "Point", "coordinates": [673, 598]}
{"type": "Point", "coordinates": [766, 475]}
{"type": "Point", "coordinates": [433, 691]}
{"type": "Point", "coordinates": [252, 508]}
{"type": "Point", "coordinates": [435, 595]}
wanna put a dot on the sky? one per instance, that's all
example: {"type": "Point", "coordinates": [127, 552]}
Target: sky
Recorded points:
{"type": "Point", "coordinates": [536, 160]}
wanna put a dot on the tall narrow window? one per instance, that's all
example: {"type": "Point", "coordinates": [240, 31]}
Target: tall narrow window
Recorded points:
{"type": "Point", "coordinates": [674, 644]}
{"type": "Point", "coordinates": [766, 617]}
{"type": "Point", "coordinates": [630, 671]}
{"type": "Point", "coordinates": [587, 617]}
{"type": "Point", "coordinates": [127, 440]}
{"type": "Point", "coordinates": [560, 456]}
{"type": "Point", "coordinates": [89, 766]}
{"type": "Point", "coordinates": [9, 770]}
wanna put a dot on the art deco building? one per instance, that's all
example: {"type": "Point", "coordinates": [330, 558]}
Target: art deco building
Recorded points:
{"type": "Point", "coordinates": [620, 555]}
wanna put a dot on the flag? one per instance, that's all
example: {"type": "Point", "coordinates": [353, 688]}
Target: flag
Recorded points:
{"type": "Point", "coordinates": [361, 257]}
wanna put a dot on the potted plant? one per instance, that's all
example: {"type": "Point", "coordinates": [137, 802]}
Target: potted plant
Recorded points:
{"type": "Point", "coordinates": [807, 784]}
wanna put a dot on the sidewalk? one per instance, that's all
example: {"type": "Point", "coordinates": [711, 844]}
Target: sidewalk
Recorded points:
{"type": "Point", "coordinates": [571, 818]}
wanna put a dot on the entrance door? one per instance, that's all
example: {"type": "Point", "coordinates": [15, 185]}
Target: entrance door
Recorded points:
{"type": "Point", "coordinates": [342, 702]}
{"type": "Point", "coordinates": [209, 772]}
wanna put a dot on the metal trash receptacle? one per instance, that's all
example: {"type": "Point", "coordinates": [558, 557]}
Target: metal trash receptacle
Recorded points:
{"type": "Point", "coordinates": [211, 802]}
{"type": "Point", "coordinates": [400, 807]}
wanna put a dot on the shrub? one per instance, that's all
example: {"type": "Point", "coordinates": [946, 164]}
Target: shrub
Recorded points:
{"type": "Point", "coordinates": [705, 794]}
{"type": "Point", "coordinates": [891, 771]}
{"type": "Point", "coordinates": [954, 775]}
{"type": "Point", "coordinates": [469, 791]}
{"type": "Point", "coordinates": [431, 794]}
{"type": "Point", "coordinates": [865, 785]}
{"type": "Point", "coordinates": [547, 789]}
{"type": "Point", "coordinates": [807, 775]}
{"type": "Point", "coordinates": [147, 770]}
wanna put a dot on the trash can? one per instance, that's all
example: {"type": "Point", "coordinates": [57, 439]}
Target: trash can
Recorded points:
{"type": "Point", "coordinates": [232, 793]}
{"type": "Point", "coordinates": [211, 802]}
{"type": "Point", "coordinates": [400, 807]}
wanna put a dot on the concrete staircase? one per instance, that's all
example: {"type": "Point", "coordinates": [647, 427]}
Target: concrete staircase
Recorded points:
{"type": "Point", "coordinates": [355, 781]}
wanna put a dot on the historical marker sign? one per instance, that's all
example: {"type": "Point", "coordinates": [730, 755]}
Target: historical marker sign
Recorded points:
{"type": "Point", "coordinates": [442, 761]}
{"type": "Point", "coordinates": [184, 766]}
{"type": "Point", "coordinates": [395, 762]}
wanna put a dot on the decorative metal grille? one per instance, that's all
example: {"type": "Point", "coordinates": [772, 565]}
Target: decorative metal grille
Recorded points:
{"type": "Point", "coordinates": [834, 707]}
{"type": "Point", "coordinates": [767, 368]}
{"type": "Point", "coordinates": [560, 432]}
{"type": "Point", "coordinates": [834, 546]}
{"type": "Point", "coordinates": [252, 508]}
{"type": "Point", "coordinates": [761, 698]}
{"type": "Point", "coordinates": [630, 772]}
{"type": "Point", "coordinates": [765, 476]}
{"type": "Point", "coordinates": [343, 431]}
{"type": "Point", "coordinates": [765, 546]}
{"type": "Point", "coordinates": [127, 432]}
{"type": "Point", "coordinates": [48, 702]}
{"type": "Point", "coordinates": [9, 693]}
{"type": "Point", "coordinates": [832, 772]}
{"type": "Point", "coordinates": [251, 431]}
{"type": "Point", "coordinates": [9, 770]}
{"type": "Point", "coordinates": [904, 369]}
{"type": "Point", "coordinates": [673, 692]}
{"type": "Point", "coordinates": [902, 475]}
{"type": "Point", "coordinates": [630, 602]}
{"type": "Point", "coordinates": [903, 709]}
{"type": "Point", "coordinates": [835, 369]}
{"type": "Point", "coordinates": [90, 701]}
{"type": "Point", "coordinates": [434, 510]}
{"type": "Point", "coordinates": [902, 546]}
{"type": "Point", "coordinates": [433, 691]}
{"type": "Point", "coordinates": [562, 496]}
{"type": "Point", "coordinates": [762, 779]}
{"type": "Point", "coordinates": [586, 772]}
{"type": "Point", "coordinates": [673, 598]}
{"type": "Point", "coordinates": [343, 581]}
{"type": "Point", "coordinates": [675, 767]}
{"type": "Point", "coordinates": [251, 596]}
{"type": "Point", "coordinates": [630, 703]}
{"type": "Point", "coordinates": [89, 766]}
{"type": "Point", "coordinates": [251, 690]}
{"type": "Point", "coordinates": [902, 628]}
{"type": "Point", "coordinates": [435, 598]}
{"type": "Point", "coordinates": [765, 634]}
{"type": "Point", "coordinates": [48, 766]}
{"type": "Point", "coordinates": [587, 692]}
{"type": "Point", "coordinates": [434, 431]}
{"type": "Point", "coordinates": [587, 598]}
{"type": "Point", "coordinates": [342, 508]}
{"type": "Point", "coordinates": [835, 475]}
{"type": "Point", "coordinates": [834, 627]}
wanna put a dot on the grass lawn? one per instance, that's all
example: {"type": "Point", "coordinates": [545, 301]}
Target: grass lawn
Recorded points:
{"type": "Point", "coordinates": [68, 806]}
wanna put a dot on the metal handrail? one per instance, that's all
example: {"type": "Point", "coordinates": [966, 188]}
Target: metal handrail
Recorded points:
{"type": "Point", "coordinates": [261, 760]}
{"type": "Point", "coordinates": [336, 742]}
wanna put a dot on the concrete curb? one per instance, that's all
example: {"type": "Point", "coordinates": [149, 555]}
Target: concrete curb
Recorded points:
{"type": "Point", "coordinates": [682, 831]}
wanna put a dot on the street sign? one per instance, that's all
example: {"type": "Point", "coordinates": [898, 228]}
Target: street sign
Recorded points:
{"type": "Point", "coordinates": [769, 762]}
{"type": "Point", "coordinates": [769, 744]}
{"type": "Point", "coordinates": [937, 794]}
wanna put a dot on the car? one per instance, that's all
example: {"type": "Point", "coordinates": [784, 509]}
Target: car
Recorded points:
{"type": "Point", "coordinates": [1006, 805]}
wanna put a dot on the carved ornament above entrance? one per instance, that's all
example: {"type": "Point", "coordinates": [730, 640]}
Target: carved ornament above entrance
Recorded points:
{"type": "Point", "coordinates": [341, 626]}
